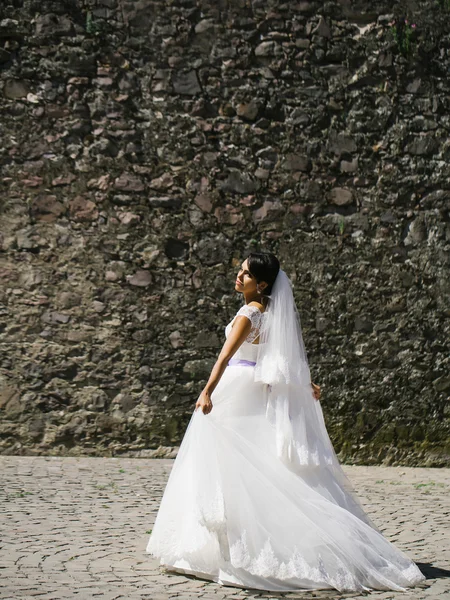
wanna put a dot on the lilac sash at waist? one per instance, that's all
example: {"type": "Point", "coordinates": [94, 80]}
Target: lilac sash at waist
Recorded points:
{"type": "Point", "coordinates": [241, 362]}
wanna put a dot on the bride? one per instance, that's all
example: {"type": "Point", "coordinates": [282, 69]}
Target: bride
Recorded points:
{"type": "Point", "coordinates": [256, 497]}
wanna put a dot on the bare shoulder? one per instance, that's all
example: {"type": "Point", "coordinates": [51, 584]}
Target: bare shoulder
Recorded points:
{"type": "Point", "coordinates": [258, 305]}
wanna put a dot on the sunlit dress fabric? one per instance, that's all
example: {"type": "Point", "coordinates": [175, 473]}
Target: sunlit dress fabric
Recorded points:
{"type": "Point", "coordinates": [233, 513]}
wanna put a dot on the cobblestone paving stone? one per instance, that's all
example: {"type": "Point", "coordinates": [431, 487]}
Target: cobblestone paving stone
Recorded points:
{"type": "Point", "coordinates": [78, 528]}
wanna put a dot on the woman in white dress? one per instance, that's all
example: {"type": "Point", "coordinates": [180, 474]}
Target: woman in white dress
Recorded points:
{"type": "Point", "coordinates": [256, 497]}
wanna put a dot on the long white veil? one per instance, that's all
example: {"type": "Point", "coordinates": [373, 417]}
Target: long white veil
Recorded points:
{"type": "Point", "coordinates": [302, 440]}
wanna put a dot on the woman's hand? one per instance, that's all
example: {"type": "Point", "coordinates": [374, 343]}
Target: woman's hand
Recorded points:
{"type": "Point", "coordinates": [204, 402]}
{"type": "Point", "coordinates": [316, 390]}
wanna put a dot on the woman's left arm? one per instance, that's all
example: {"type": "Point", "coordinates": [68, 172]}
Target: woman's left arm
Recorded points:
{"type": "Point", "coordinates": [239, 332]}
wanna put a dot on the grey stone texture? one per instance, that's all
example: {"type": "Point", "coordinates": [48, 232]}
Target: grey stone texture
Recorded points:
{"type": "Point", "coordinates": [147, 147]}
{"type": "Point", "coordinates": [77, 527]}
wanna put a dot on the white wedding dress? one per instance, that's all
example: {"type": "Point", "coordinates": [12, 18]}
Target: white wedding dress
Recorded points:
{"type": "Point", "coordinates": [233, 513]}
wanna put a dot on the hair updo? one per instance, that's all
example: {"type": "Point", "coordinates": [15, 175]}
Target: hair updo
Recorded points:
{"type": "Point", "coordinates": [264, 266]}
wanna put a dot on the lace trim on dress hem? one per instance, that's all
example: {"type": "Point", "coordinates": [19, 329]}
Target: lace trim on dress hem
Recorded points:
{"type": "Point", "coordinates": [212, 519]}
{"type": "Point", "coordinates": [266, 565]}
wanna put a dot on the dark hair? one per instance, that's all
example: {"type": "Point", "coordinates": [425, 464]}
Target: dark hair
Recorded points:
{"type": "Point", "coordinates": [264, 266]}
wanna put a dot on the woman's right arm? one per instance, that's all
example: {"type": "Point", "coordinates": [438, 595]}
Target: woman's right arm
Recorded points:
{"type": "Point", "coordinates": [316, 390]}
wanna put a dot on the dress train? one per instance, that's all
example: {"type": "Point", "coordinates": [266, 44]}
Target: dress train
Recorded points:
{"type": "Point", "coordinates": [233, 513]}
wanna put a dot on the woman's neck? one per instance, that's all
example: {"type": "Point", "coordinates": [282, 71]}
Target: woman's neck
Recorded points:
{"type": "Point", "coordinates": [260, 299]}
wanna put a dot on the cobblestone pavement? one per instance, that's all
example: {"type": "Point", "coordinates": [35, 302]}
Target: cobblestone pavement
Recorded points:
{"type": "Point", "coordinates": [78, 528]}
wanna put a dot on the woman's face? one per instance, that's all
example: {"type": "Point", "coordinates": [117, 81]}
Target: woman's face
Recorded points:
{"type": "Point", "coordinates": [245, 282]}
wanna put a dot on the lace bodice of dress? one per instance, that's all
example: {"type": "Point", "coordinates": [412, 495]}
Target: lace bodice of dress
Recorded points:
{"type": "Point", "coordinates": [248, 350]}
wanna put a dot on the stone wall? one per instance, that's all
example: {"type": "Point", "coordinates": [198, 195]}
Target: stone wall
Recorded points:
{"type": "Point", "coordinates": [149, 145]}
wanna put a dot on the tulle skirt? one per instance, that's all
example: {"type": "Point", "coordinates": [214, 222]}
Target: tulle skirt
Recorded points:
{"type": "Point", "coordinates": [233, 513]}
